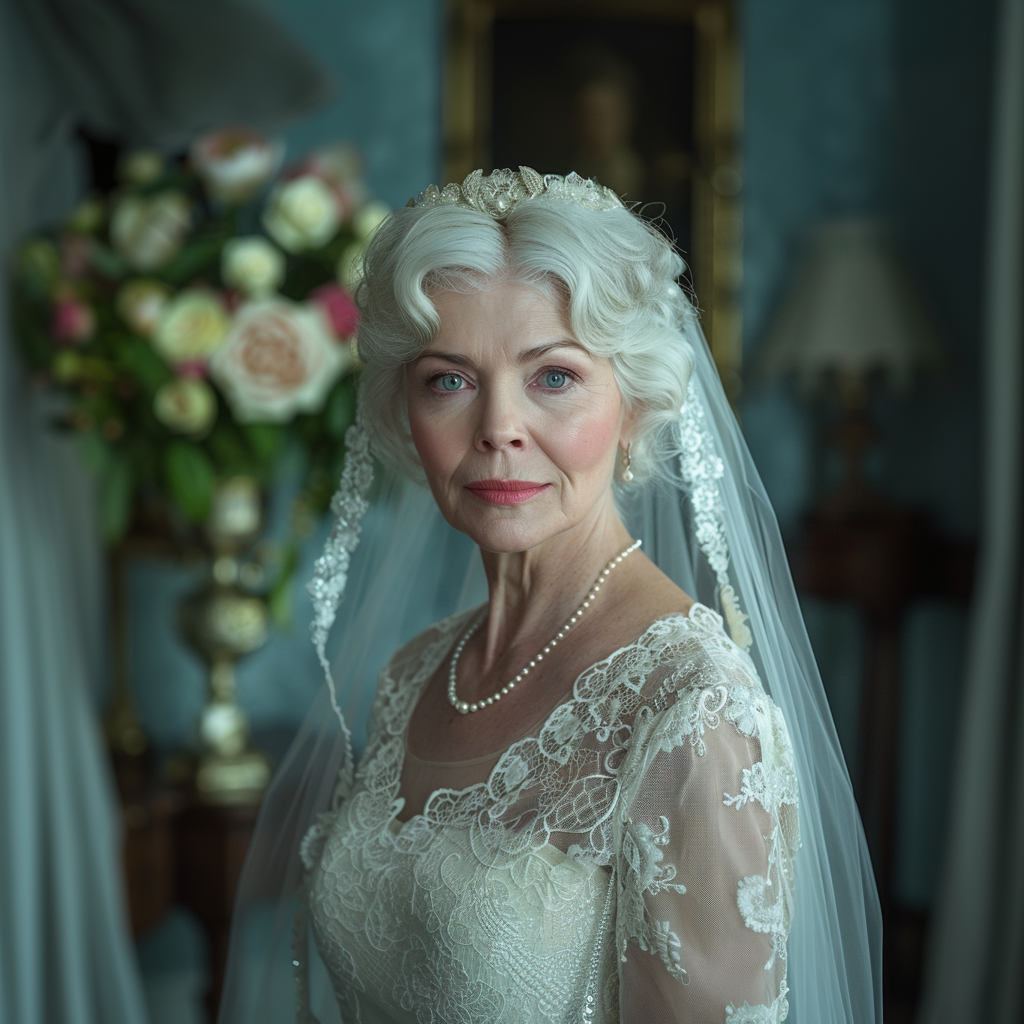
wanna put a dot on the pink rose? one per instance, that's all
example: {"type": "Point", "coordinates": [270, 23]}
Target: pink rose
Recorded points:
{"type": "Point", "coordinates": [235, 163]}
{"type": "Point", "coordinates": [194, 369]}
{"type": "Point", "coordinates": [341, 310]}
{"type": "Point", "coordinates": [73, 322]}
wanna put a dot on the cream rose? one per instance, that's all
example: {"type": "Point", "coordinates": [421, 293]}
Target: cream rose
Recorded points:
{"type": "Point", "coordinates": [191, 327]}
{"type": "Point", "coordinates": [234, 163]}
{"type": "Point", "coordinates": [140, 303]}
{"type": "Point", "coordinates": [369, 218]}
{"type": "Point", "coordinates": [280, 359]}
{"type": "Point", "coordinates": [142, 166]}
{"type": "Point", "coordinates": [252, 265]}
{"type": "Point", "coordinates": [302, 214]}
{"type": "Point", "coordinates": [186, 405]}
{"type": "Point", "coordinates": [86, 217]}
{"type": "Point", "coordinates": [350, 264]}
{"type": "Point", "coordinates": [148, 231]}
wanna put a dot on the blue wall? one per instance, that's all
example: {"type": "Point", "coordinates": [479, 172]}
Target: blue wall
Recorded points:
{"type": "Point", "coordinates": [880, 107]}
{"type": "Point", "coordinates": [386, 59]}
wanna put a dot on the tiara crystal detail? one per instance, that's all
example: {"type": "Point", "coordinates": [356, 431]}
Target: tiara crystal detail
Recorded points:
{"type": "Point", "coordinates": [497, 194]}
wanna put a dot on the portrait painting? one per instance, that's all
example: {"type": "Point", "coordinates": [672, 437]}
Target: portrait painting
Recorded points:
{"type": "Point", "coordinates": [640, 96]}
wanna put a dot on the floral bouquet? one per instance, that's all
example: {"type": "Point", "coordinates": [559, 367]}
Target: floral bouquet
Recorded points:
{"type": "Point", "coordinates": [198, 321]}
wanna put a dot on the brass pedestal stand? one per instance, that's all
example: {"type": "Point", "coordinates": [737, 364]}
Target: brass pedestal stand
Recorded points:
{"type": "Point", "coordinates": [224, 623]}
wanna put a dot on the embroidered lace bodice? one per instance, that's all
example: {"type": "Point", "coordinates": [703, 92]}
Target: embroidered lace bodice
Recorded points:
{"type": "Point", "coordinates": [630, 861]}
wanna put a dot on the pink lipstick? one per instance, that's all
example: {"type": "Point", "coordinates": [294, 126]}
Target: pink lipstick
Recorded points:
{"type": "Point", "coordinates": [505, 492]}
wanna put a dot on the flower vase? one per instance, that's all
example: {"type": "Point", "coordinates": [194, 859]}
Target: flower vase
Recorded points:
{"type": "Point", "coordinates": [224, 622]}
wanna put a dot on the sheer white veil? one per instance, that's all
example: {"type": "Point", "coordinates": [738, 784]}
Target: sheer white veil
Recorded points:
{"type": "Point", "coordinates": [401, 567]}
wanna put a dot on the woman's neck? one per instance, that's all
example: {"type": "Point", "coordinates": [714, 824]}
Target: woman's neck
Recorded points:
{"type": "Point", "coordinates": [533, 593]}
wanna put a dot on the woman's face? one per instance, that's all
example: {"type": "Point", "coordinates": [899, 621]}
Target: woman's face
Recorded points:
{"type": "Point", "coordinates": [516, 424]}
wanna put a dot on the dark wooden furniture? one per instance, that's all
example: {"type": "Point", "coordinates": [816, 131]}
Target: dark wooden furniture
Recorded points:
{"type": "Point", "coordinates": [211, 846]}
{"type": "Point", "coordinates": [180, 851]}
{"type": "Point", "coordinates": [149, 855]}
{"type": "Point", "coordinates": [882, 561]}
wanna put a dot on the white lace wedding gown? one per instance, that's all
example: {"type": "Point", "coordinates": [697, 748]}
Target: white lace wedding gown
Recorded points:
{"type": "Point", "coordinates": [630, 860]}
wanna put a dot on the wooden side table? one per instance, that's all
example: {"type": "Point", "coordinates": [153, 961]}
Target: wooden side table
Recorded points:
{"type": "Point", "coordinates": [179, 851]}
{"type": "Point", "coordinates": [211, 844]}
{"type": "Point", "coordinates": [149, 855]}
{"type": "Point", "coordinates": [881, 564]}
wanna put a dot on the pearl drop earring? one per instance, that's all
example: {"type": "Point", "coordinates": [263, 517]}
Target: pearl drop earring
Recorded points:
{"type": "Point", "coordinates": [627, 473]}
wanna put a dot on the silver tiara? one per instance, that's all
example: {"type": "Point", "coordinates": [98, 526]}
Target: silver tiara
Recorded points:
{"type": "Point", "coordinates": [497, 194]}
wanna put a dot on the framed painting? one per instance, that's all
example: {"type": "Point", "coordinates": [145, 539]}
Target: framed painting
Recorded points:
{"type": "Point", "coordinates": [643, 95]}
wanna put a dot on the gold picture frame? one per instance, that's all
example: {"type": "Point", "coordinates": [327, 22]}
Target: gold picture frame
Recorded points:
{"type": "Point", "coordinates": [714, 249]}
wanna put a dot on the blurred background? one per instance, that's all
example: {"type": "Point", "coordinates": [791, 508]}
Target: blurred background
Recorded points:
{"type": "Point", "coordinates": [845, 182]}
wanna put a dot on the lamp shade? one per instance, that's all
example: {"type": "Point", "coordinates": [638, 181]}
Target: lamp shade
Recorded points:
{"type": "Point", "coordinates": [851, 311]}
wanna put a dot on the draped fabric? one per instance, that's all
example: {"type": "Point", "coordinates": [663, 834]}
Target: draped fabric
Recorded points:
{"type": "Point", "coordinates": [132, 70]}
{"type": "Point", "coordinates": [977, 948]}
{"type": "Point", "coordinates": [65, 953]}
{"type": "Point", "coordinates": [154, 72]}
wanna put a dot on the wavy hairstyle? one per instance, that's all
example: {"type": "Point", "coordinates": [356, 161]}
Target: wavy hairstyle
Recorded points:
{"type": "Point", "coordinates": [615, 274]}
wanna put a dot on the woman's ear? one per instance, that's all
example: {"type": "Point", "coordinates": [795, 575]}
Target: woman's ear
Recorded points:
{"type": "Point", "coordinates": [627, 431]}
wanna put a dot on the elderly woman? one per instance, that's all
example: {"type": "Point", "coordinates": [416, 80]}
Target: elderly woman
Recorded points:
{"type": "Point", "coordinates": [577, 800]}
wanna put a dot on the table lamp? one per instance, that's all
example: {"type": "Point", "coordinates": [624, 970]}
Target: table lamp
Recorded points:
{"type": "Point", "coordinates": [850, 321]}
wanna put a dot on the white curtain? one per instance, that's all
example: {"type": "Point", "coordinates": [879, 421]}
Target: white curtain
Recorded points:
{"type": "Point", "coordinates": [65, 952]}
{"type": "Point", "coordinates": [976, 953]}
{"type": "Point", "coordinates": [146, 71]}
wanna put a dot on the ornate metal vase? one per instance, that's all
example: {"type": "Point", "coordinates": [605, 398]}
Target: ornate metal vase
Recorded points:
{"type": "Point", "coordinates": [225, 622]}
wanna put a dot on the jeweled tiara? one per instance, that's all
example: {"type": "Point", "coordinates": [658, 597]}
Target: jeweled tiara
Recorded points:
{"type": "Point", "coordinates": [497, 194]}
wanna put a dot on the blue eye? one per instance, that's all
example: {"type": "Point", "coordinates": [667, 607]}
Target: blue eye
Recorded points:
{"type": "Point", "coordinates": [554, 379]}
{"type": "Point", "coordinates": [450, 382]}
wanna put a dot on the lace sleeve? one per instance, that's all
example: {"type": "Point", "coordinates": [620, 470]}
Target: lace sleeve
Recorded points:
{"type": "Point", "coordinates": [706, 836]}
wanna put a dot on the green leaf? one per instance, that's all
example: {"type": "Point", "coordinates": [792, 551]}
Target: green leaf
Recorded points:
{"type": "Point", "coordinates": [95, 452]}
{"type": "Point", "coordinates": [265, 439]}
{"type": "Point", "coordinates": [228, 448]}
{"type": "Point", "coordinates": [107, 262]}
{"type": "Point", "coordinates": [341, 410]}
{"type": "Point", "coordinates": [114, 490]}
{"type": "Point", "coordinates": [190, 477]}
{"type": "Point", "coordinates": [29, 322]}
{"type": "Point", "coordinates": [279, 599]}
{"type": "Point", "coordinates": [203, 254]}
{"type": "Point", "coordinates": [137, 358]}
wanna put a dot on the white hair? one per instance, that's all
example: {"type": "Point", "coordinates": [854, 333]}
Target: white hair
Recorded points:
{"type": "Point", "coordinates": [615, 274]}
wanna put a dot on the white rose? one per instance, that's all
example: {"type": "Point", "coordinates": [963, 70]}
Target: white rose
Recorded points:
{"type": "Point", "coordinates": [350, 264]}
{"type": "Point", "coordinates": [280, 359]}
{"type": "Point", "coordinates": [191, 327]}
{"type": "Point", "coordinates": [369, 218]}
{"type": "Point", "coordinates": [140, 303]}
{"type": "Point", "coordinates": [302, 214]}
{"type": "Point", "coordinates": [252, 265]}
{"type": "Point", "coordinates": [186, 405]}
{"type": "Point", "coordinates": [142, 166]}
{"type": "Point", "coordinates": [233, 164]}
{"type": "Point", "coordinates": [148, 231]}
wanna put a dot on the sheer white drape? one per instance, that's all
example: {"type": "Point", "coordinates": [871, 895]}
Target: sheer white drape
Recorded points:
{"type": "Point", "coordinates": [65, 951]}
{"type": "Point", "coordinates": [977, 948]}
{"type": "Point", "coordinates": [150, 72]}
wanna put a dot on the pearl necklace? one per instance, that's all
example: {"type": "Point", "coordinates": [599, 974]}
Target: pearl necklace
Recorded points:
{"type": "Point", "coordinates": [464, 707]}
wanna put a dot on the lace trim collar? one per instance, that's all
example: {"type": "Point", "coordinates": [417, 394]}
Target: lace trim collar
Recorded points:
{"type": "Point", "coordinates": [565, 720]}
